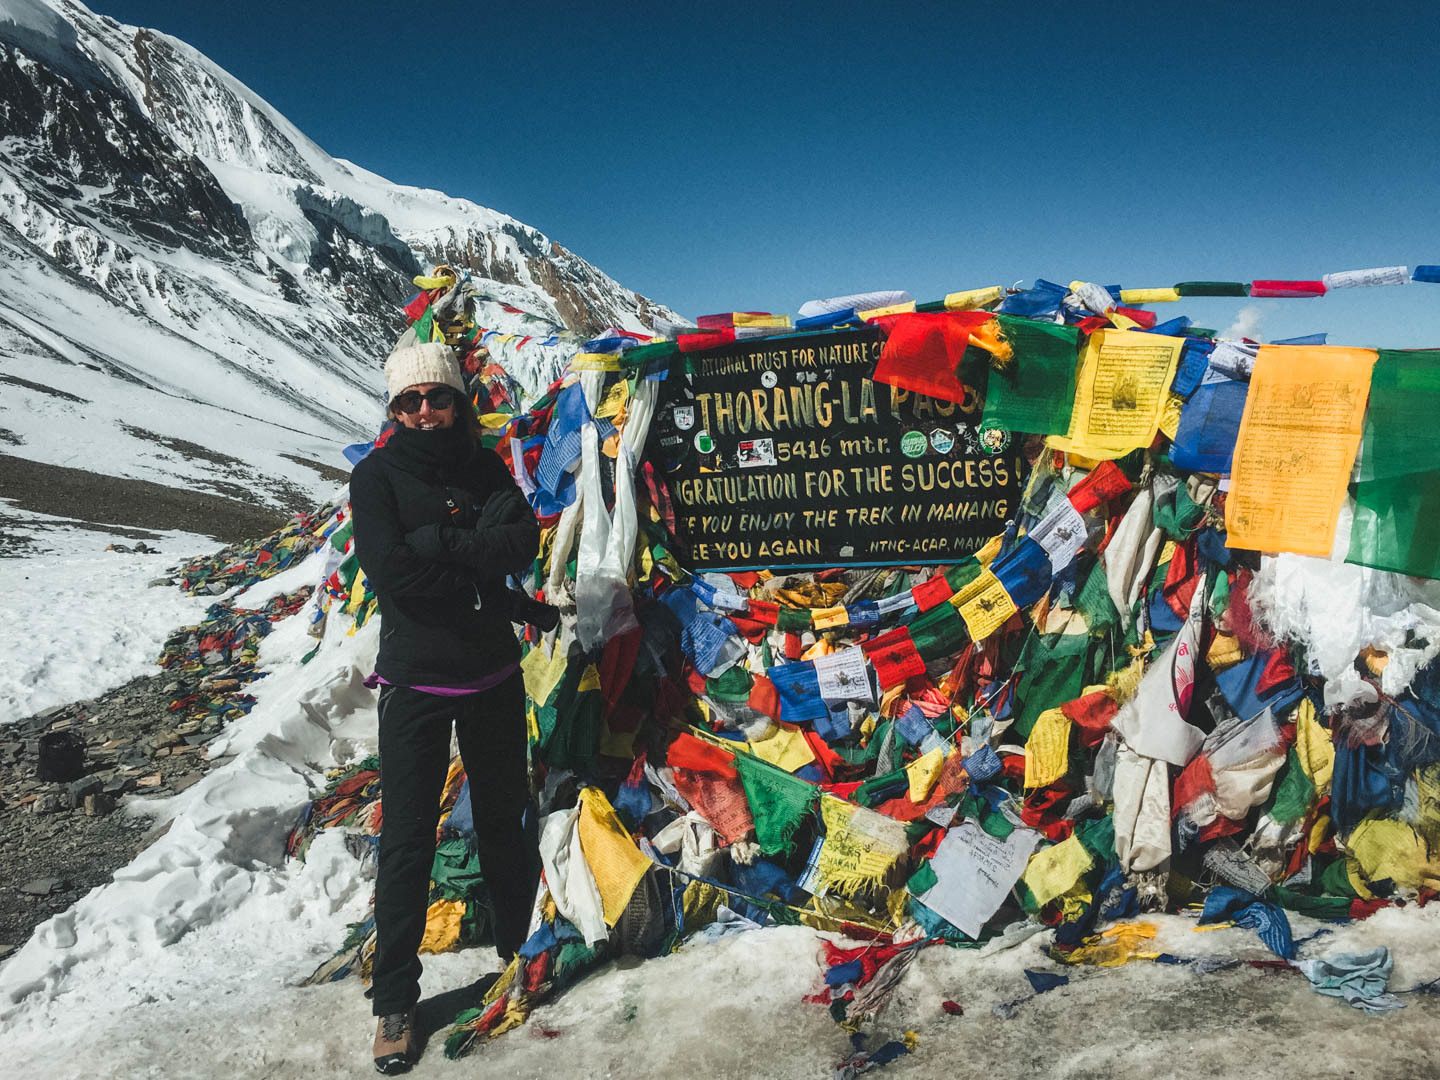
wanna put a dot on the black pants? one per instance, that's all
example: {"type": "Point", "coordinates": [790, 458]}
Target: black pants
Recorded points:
{"type": "Point", "coordinates": [414, 757]}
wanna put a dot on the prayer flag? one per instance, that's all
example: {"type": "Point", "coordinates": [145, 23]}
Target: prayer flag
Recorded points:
{"type": "Point", "coordinates": [1298, 437]}
{"type": "Point", "coordinates": [922, 351]}
{"type": "Point", "coordinates": [1121, 391]}
{"type": "Point", "coordinates": [1036, 392]}
{"type": "Point", "coordinates": [1397, 498]}
{"type": "Point", "coordinates": [614, 861]}
{"type": "Point", "coordinates": [779, 802]}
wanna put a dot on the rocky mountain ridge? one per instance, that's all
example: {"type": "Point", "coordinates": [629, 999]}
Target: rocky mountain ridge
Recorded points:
{"type": "Point", "coordinates": [180, 266]}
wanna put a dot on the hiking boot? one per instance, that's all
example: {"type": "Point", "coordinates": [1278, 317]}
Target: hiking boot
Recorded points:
{"type": "Point", "coordinates": [395, 1043]}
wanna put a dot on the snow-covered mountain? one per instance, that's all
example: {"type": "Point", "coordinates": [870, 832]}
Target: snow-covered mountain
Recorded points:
{"type": "Point", "coordinates": [193, 292]}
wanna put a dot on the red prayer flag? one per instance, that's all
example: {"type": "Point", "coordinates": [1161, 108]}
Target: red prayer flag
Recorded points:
{"type": "Point", "coordinates": [932, 593]}
{"type": "Point", "coordinates": [1091, 715]}
{"type": "Point", "coordinates": [1135, 315]}
{"type": "Point", "coordinates": [894, 656]}
{"type": "Point", "coordinates": [765, 611]}
{"type": "Point", "coordinates": [697, 755]}
{"type": "Point", "coordinates": [1292, 290]}
{"type": "Point", "coordinates": [1197, 779]}
{"type": "Point", "coordinates": [706, 339]}
{"type": "Point", "coordinates": [923, 349]}
{"type": "Point", "coordinates": [1104, 483]}
{"type": "Point", "coordinates": [764, 697]}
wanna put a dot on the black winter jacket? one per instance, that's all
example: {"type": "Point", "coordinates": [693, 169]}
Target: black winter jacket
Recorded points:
{"type": "Point", "coordinates": [439, 523]}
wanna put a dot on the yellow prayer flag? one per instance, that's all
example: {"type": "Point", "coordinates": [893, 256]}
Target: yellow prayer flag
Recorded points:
{"type": "Point", "coordinates": [893, 309]}
{"type": "Point", "coordinates": [1298, 437]}
{"type": "Point", "coordinates": [442, 926]}
{"type": "Point", "coordinates": [433, 281]}
{"type": "Point", "coordinates": [830, 618]}
{"type": "Point", "coordinates": [785, 748]}
{"type": "Point", "coordinates": [614, 400]}
{"type": "Point", "coordinates": [591, 361]}
{"type": "Point", "coordinates": [986, 555]}
{"type": "Point", "coordinates": [1314, 747]}
{"type": "Point", "coordinates": [1170, 415]}
{"type": "Point", "coordinates": [615, 863]}
{"type": "Point", "coordinates": [589, 679]}
{"type": "Point", "coordinates": [971, 299]}
{"type": "Point", "coordinates": [1054, 870]}
{"type": "Point", "coordinates": [542, 671]}
{"type": "Point", "coordinates": [761, 319]}
{"type": "Point", "coordinates": [1115, 945]}
{"type": "Point", "coordinates": [1121, 388]}
{"type": "Point", "coordinates": [1047, 750]}
{"type": "Point", "coordinates": [986, 610]}
{"type": "Point", "coordinates": [1387, 848]}
{"type": "Point", "coordinates": [1148, 296]}
{"type": "Point", "coordinates": [923, 772]}
{"type": "Point", "coordinates": [861, 847]}
{"type": "Point", "coordinates": [1121, 321]}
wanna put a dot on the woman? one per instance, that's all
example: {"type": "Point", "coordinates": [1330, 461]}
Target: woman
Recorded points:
{"type": "Point", "coordinates": [439, 523]}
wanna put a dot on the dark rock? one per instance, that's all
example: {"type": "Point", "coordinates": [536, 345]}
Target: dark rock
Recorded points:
{"type": "Point", "coordinates": [180, 783]}
{"type": "Point", "coordinates": [86, 785]}
{"type": "Point", "coordinates": [51, 802]}
{"type": "Point", "coordinates": [43, 886]}
{"type": "Point", "coordinates": [98, 804]}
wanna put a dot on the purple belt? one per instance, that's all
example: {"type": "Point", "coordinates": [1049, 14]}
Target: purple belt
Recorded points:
{"type": "Point", "coordinates": [486, 682]}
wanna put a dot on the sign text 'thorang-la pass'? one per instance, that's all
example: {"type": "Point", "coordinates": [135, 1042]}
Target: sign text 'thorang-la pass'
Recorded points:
{"type": "Point", "coordinates": [782, 452]}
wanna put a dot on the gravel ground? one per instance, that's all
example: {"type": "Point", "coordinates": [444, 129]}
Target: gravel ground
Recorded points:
{"type": "Point", "coordinates": [137, 504]}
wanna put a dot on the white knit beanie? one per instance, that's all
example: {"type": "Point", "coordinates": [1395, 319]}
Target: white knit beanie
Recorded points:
{"type": "Point", "coordinates": [413, 365]}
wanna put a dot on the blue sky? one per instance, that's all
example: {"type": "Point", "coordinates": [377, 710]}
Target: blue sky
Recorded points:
{"type": "Point", "coordinates": [756, 156]}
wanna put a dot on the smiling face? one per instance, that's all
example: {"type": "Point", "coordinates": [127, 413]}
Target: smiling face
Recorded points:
{"type": "Point", "coordinates": [425, 416]}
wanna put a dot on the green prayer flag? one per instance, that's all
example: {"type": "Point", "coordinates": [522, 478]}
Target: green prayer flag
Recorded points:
{"type": "Point", "coordinates": [1293, 794]}
{"type": "Point", "coordinates": [1097, 836]}
{"type": "Point", "coordinates": [1397, 497]}
{"type": "Point", "coordinates": [1053, 673]}
{"type": "Point", "coordinates": [938, 632]}
{"type": "Point", "coordinates": [797, 619]}
{"type": "Point", "coordinates": [574, 737]}
{"type": "Point", "coordinates": [1036, 392]}
{"type": "Point", "coordinates": [1093, 602]}
{"type": "Point", "coordinates": [1335, 880]}
{"type": "Point", "coordinates": [1213, 288]}
{"type": "Point", "coordinates": [923, 880]}
{"type": "Point", "coordinates": [648, 358]}
{"type": "Point", "coordinates": [779, 802]}
{"type": "Point", "coordinates": [1325, 908]}
{"type": "Point", "coordinates": [425, 326]}
{"type": "Point", "coordinates": [733, 685]}
{"type": "Point", "coordinates": [963, 573]}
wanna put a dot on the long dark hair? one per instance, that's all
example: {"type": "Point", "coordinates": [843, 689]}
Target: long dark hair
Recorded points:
{"type": "Point", "coordinates": [467, 417]}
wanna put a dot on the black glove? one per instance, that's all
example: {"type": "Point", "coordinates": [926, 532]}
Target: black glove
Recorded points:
{"type": "Point", "coordinates": [526, 609]}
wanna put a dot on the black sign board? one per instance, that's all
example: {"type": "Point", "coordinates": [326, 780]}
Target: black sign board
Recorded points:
{"type": "Point", "coordinates": [781, 452]}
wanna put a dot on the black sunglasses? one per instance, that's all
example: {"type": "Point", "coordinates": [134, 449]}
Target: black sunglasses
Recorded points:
{"type": "Point", "coordinates": [442, 397]}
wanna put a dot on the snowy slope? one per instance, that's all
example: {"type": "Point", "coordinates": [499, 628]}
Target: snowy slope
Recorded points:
{"type": "Point", "coordinates": [179, 256]}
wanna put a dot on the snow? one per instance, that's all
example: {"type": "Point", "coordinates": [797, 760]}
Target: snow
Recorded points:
{"type": "Point", "coordinates": [41, 31]}
{"type": "Point", "coordinates": [189, 963]}
{"type": "Point", "coordinates": [80, 620]}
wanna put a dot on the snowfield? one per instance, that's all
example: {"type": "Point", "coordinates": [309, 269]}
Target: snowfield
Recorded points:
{"type": "Point", "coordinates": [80, 620]}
